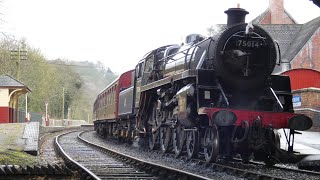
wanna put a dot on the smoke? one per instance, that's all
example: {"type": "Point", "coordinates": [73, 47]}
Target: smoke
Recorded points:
{"type": "Point", "coordinates": [214, 29]}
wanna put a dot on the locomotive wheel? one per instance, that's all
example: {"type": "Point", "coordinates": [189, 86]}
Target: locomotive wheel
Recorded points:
{"type": "Point", "coordinates": [178, 139]}
{"type": "Point", "coordinates": [269, 153]}
{"type": "Point", "coordinates": [165, 137]}
{"type": "Point", "coordinates": [153, 139]}
{"type": "Point", "coordinates": [211, 144]}
{"type": "Point", "coordinates": [245, 157]}
{"type": "Point", "coordinates": [153, 135]}
{"type": "Point", "coordinates": [271, 159]}
{"type": "Point", "coordinates": [192, 144]}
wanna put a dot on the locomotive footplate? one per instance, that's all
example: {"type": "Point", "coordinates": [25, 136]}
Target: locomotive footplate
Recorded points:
{"type": "Point", "coordinates": [278, 120]}
{"type": "Point", "coordinates": [255, 132]}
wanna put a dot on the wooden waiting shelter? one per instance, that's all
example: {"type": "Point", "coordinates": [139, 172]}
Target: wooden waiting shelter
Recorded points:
{"type": "Point", "coordinates": [10, 90]}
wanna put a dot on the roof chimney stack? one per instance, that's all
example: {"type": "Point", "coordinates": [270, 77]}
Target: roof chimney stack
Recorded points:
{"type": "Point", "coordinates": [236, 16]}
{"type": "Point", "coordinates": [277, 11]}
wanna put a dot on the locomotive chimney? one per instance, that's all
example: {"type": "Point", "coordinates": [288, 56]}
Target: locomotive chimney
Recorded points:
{"type": "Point", "coordinates": [236, 16]}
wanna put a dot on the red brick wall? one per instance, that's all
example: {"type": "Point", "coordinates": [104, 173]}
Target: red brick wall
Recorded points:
{"type": "Point", "coordinates": [4, 115]}
{"type": "Point", "coordinates": [266, 19]}
{"type": "Point", "coordinates": [309, 55]}
{"type": "Point", "coordinates": [283, 18]}
{"type": "Point", "coordinates": [276, 14]}
{"type": "Point", "coordinates": [310, 104]}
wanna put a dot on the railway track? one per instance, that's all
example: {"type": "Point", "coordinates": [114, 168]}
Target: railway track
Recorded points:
{"type": "Point", "coordinates": [238, 169]}
{"type": "Point", "coordinates": [284, 167]}
{"type": "Point", "coordinates": [97, 162]}
{"type": "Point", "coordinates": [253, 169]}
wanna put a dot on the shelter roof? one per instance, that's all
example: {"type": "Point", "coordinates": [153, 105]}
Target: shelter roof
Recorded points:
{"type": "Point", "coordinates": [10, 82]}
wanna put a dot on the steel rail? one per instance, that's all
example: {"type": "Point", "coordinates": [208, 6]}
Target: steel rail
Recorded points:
{"type": "Point", "coordinates": [163, 168]}
{"type": "Point", "coordinates": [75, 163]}
{"type": "Point", "coordinates": [260, 175]}
{"type": "Point", "coordinates": [288, 169]}
{"type": "Point", "coordinates": [233, 170]}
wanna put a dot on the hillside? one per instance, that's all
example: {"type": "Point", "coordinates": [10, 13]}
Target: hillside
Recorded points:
{"type": "Point", "coordinates": [95, 78]}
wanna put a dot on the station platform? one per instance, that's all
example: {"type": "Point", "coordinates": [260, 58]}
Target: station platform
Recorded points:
{"type": "Point", "coordinates": [20, 137]}
{"type": "Point", "coordinates": [25, 136]}
{"type": "Point", "coordinates": [306, 145]}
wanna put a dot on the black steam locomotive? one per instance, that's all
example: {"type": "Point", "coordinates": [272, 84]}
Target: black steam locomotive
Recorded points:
{"type": "Point", "coordinates": [215, 96]}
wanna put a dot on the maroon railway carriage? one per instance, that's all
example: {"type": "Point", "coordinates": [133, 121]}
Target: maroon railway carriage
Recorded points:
{"type": "Point", "coordinates": [106, 106]}
{"type": "Point", "coordinates": [215, 96]}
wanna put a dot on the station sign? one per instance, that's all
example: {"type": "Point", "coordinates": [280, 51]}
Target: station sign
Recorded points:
{"type": "Point", "coordinates": [296, 101]}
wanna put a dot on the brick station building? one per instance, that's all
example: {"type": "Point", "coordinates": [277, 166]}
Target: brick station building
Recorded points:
{"type": "Point", "coordinates": [300, 50]}
{"type": "Point", "coordinates": [10, 90]}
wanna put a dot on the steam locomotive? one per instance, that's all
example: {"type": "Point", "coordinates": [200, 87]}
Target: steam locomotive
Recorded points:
{"type": "Point", "coordinates": [212, 96]}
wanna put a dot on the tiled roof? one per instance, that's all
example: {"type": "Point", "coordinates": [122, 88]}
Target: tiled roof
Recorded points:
{"type": "Point", "coordinates": [9, 81]}
{"type": "Point", "coordinates": [300, 39]}
{"type": "Point", "coordinates": [291, 37]}
{"type": "Point", "coordinates": [284, 34]}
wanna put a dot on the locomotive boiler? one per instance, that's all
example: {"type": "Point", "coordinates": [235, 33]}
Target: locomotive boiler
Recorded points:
{"type": "Point", "coordinates": [213, 96]}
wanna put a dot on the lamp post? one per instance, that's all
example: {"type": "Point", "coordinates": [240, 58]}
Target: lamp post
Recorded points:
{"type": "Point", "coordinates": [26, 107]}
{"type": "Point", "coordinates": [18, 54]}
{"type": "Point", "coordinates": [62, 106]}
{"type": "Point", "coordinates": [46, 118]}
{"type": "Point", "coordinates": [46, 106]}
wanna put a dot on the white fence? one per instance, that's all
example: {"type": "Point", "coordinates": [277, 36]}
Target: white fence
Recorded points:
{"type": "Point", "coordinates": [65, 122]}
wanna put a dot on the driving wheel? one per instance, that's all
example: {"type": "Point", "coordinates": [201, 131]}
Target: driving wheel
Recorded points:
{"type": "Point", "coordinates": [153, 138]}
{"type": "Point", "coordinates": [211, 144]}
{"type": "Point", "coordinates": [178, 140]}
{"type": "Point", "coordinates": [192, 143]}
{"type": "Point", "coordinates": [165, 137]}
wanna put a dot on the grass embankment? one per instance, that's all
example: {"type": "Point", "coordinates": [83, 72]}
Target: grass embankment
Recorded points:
{"type": "Point", "coordinates": [14, 157]}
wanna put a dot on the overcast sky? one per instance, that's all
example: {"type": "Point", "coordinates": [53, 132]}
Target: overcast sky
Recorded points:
{"type": "Point", "coordinates": [119, 32]}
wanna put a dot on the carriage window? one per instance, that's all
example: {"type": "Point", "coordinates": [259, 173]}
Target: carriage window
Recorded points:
{"type": "Point", "coordinates": [109, 95]}
{"type": "Point", "coordinates": [108, 101]}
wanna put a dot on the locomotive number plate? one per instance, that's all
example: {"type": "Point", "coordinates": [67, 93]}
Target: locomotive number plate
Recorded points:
{"type": "Point", "coordinates": [248, 43]}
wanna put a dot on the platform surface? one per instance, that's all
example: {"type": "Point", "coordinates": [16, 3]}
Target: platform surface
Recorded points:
{"type": "Point", "coordinates": [11, 136]}
{"type": "Point", "coordinates": [20, 137]}
{"type": "Point", "coordinates": [306, 143]}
